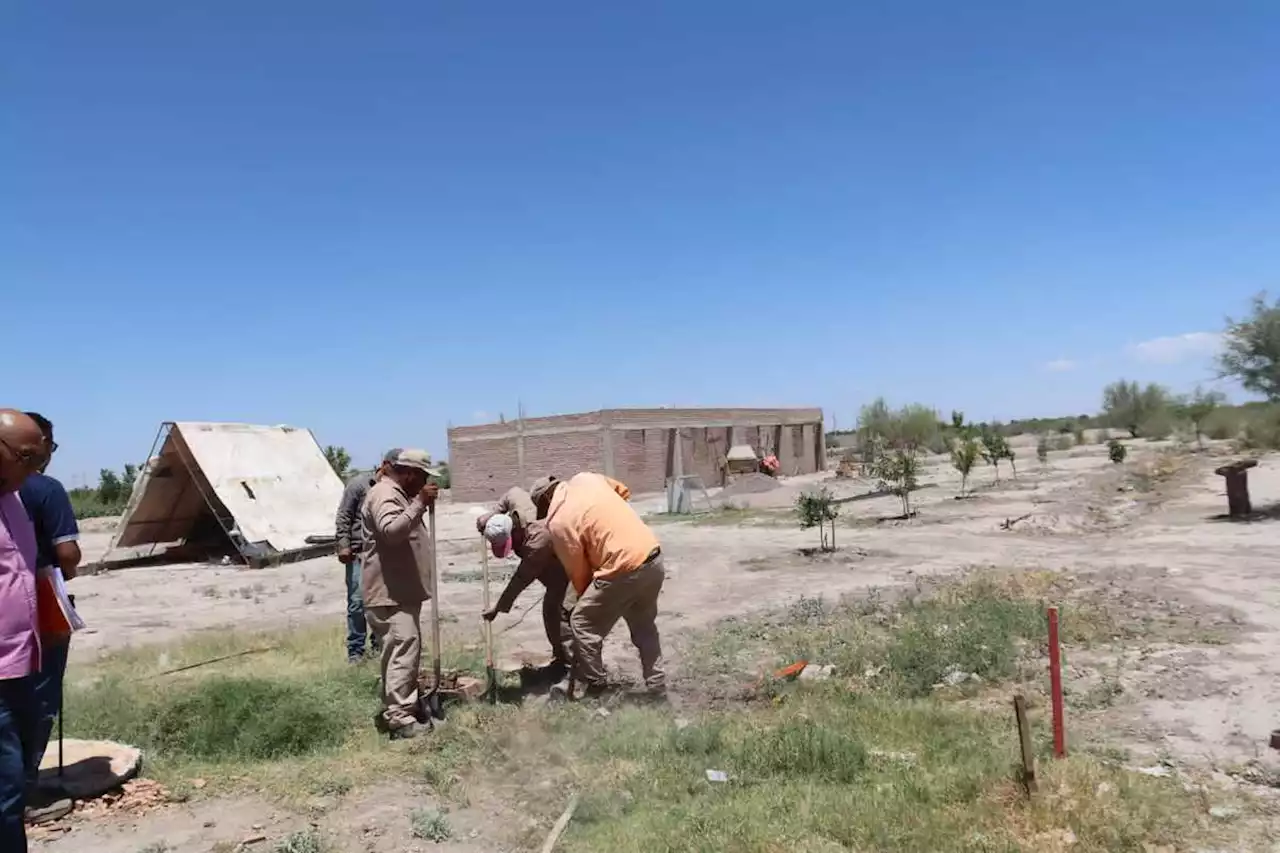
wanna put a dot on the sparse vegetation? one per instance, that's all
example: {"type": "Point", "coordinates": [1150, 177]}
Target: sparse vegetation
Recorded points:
{"type": "Point", "coordinates": [303, 841]}
{"type": "Point", "coordinates": [430, 825]}
{"type": "Point", "coordinates": [339, 460]}
{"type": "Point", "coordinates": [818, 509]}
{"type": "Point", "coordinates": [1116, 451]}
{"type": "Point", "coordinates": [1130, 406]}
{"type": "Point", "coordinates": [880, 757]}
{"type": "Point", "coordinates": [109, 498]}
{"type": "Point", "coordinates": [1042, 450]}
{"type": "Point", "coordinates": [1197, 408]}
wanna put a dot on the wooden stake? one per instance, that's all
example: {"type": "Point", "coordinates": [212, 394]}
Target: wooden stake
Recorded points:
{"type": "Point", "coordinates": [1024, 741]}
{"type": "Point", "coordinates": [561, 825]}
{"type": "Point", "coordinates": [1055, 687]}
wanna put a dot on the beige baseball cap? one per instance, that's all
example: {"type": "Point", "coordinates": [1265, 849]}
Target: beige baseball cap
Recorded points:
{"type": "Point", "coordinates": [413, 458]}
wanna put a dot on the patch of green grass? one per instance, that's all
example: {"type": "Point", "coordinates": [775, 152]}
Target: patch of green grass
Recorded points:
{"type": "Point", "coordinates": [287, 721]}
{"type": "Point", "coordinates": [224, 717]}
{"type": "Point", "coordinates": [430, 825]}
{"type": "Point", "coordinates": [801, 778]}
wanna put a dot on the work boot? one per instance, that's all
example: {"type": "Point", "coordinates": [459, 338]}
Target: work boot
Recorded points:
{"type": "Point", "coordinates": [596, 691]}
{"type": "Point", "coordinates": [560, 691]}
{"type": "Point", "coordinates": [45, 805]}
{"type": "Point", "coordinates": [410, 731]}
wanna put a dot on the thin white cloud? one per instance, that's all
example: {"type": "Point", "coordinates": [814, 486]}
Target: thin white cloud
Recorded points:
{"type": "Point", "coordinates": [1177, 348]}
{"type": "Point", "coordinates": [480, 417]}
{"type": "Point", "coordinates": [1060, 365]}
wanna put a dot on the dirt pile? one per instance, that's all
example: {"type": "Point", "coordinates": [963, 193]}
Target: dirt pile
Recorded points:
{"type": "Point", "coordinates": [754, 483]}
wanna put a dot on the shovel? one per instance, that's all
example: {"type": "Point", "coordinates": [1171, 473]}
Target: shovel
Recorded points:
{"type": "Point", "coordinates": [435, 703]}
{"type": "Point", "coordinates": [488, 627]}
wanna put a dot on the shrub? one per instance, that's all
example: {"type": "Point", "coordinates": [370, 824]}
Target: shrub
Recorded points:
{"type": "Point", "coordinates": [1081, 437]}
{"type": "Point", "coordinates": [1042, 449]}
{"type": "Point", "coordinates": [1198, 408]}
{"type": "Point", "coordinates": [1222, 424]}
{"type": "Point", "coordinates": [1261, 431]}
{"type": "Point", "coordinates": [1157, 427]}
{"type": "Point", "coordinates": [1064, 442]}
{"type": "Point", "coordinates": [1129, 405]}
{"type": "Point", "coordinates": [879, 426]}
{"type": "Point", "coordinates": [1116, 450]}
{"type": "Point", "coordinates": [430, 825]}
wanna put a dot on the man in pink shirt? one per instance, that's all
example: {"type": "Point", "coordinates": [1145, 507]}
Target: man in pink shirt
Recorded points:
{"type": "Point", "coordinates": [22, 452]}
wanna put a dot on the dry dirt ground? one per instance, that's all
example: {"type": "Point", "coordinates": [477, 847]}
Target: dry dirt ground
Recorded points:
{"type": "Point", "coordinates": [1146, 535]}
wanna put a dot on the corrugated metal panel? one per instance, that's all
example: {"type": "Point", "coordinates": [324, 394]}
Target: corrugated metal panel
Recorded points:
{"type": "Point", "coordinates": [273, 482]}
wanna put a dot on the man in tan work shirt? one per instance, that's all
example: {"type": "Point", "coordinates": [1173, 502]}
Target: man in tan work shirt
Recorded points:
{"type": "Point", "coordinates": [614, 563]}
{"type": "Point", "coordinates": [515, 528]}
{"type": "Point", "coordinates": [396, 564]}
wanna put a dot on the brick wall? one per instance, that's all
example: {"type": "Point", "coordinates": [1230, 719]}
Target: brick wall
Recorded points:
{"type": "Point", "coordinates": [485, 460]}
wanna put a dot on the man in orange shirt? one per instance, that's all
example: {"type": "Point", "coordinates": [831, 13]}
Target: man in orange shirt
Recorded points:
{"type": "Point", "coordinates": [614, 564]}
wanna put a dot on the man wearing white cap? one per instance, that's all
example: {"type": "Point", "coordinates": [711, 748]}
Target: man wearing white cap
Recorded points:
{"type": "Point", "coordinates": [516, 531]}
{"type": "Point", "coordinates": [396, 564]}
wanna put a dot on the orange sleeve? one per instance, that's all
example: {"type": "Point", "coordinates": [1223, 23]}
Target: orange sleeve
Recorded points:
{"type": "Point", "coordinates": [620, 488]}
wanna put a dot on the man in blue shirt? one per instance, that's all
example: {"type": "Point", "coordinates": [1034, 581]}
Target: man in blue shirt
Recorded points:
{"type": "Point", "coordinates": [57, 544]}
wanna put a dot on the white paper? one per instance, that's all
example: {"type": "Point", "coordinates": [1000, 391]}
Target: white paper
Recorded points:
{"type": "Point", "coordinates": [60, 589]}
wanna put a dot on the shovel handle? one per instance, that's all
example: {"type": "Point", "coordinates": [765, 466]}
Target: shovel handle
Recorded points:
{"type": "Point", "coordinates": [435, 596]}
{"type": "Point", "coordinates": [488, 626]}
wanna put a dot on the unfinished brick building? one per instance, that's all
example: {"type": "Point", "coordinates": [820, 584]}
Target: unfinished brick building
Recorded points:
{"type": "Point", "coordinates": [637, 446]}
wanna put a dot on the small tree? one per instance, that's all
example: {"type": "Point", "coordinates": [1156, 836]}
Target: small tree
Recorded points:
{"type": "Point", "coordinates": [1042, 450]}
{"type": "Point", "coordinates": [1116, 450]}
{"type": "Point", "coordinates": [898, 470]}
{"type": "Point", "coordinates": [818, 509]}
{"type": "Point", "coordinates": [995, 448]}
{"type": "Point", "coordinates": [1197, 407]}
{"type": "Point", "coordinates": [1251, 349]}
{"type": "Point", "coordinates": [964, 455]}
{"type": "Point", "coordinates": [339, 460]}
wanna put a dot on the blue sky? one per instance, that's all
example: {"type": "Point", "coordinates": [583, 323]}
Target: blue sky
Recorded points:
{"type": "Point", "coordinates": [376, 219]}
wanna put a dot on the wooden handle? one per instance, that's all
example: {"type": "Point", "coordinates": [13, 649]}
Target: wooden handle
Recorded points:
{"type": "Point", "coordinates": [488, 626]}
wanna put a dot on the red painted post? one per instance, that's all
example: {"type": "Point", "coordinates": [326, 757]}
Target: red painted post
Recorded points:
{"type": "Point", "coordinates": [1055, 687]}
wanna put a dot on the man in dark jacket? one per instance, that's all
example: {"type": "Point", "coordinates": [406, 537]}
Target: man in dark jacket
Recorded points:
{"type": "Point", "coordinates": [511, 530]}
{"type": "Point", "coordinates": [350, 531]}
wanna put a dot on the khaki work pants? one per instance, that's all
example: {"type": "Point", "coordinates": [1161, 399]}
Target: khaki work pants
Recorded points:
{"type": "Point", "coordinates": [632, 597]}
{"type": "Point", "coordinates": [400, 631]}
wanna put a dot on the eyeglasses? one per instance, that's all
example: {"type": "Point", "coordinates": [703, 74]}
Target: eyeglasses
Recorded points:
{"type": "Point", "coordinates": [29, 459]}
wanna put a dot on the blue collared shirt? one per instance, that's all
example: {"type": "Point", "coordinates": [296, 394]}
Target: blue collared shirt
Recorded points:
{"type": "Point", "coordinates": [49, 508]}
